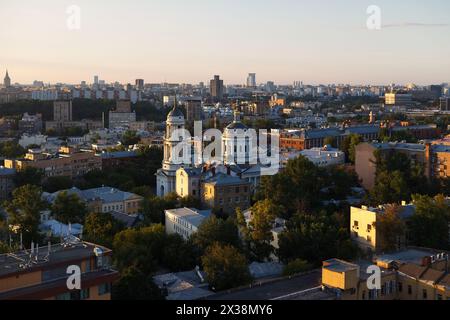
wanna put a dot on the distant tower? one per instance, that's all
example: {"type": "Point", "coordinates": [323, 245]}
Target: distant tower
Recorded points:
{"type": "Point", "coordinates": [166, 176]}
{"type": "Point", "coordinates": [371, 117]}
{"type": "Point", "coordinates": [7, 81]}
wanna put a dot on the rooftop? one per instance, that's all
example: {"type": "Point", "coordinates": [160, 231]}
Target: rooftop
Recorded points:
{"type": "Point", "coordinates": [192, 216]}
{"type": "Point", "coordinates": [337, 265]}
{"type": "Point", "coordinates": [46, 256]}
{"type": "Point", "coordinates": [225, 180]}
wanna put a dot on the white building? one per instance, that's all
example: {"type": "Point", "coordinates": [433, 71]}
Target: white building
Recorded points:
{"type": "Point", "coordinates": [322, 157]}
{"type": "Point", "coordinates": [184, 221]}
{"type": "Point", "coordinates": [28, 140]}
{"type": "Point", "coordinates": [166, 176]}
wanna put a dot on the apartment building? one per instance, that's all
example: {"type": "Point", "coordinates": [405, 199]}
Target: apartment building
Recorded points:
{"type": "Point", "coordinates": [184, 221]}
{"type": "Point", "coordinates": [225, 193]}
{"type": "Point", "coordinates": [434, 159]}
{"type": "Point", "coordinates": [41, 273]}
{"type": "Point", "coordinates": [364, 228]}
{"type": "Point", "coordinates": [68, 162]}
{"type": "Point", "coordinates": [410, 274]}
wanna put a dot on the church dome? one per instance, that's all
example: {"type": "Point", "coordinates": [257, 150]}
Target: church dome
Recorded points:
{"type": "Point", "coordinates": [236, 124]}
{"type": "Point", "coordinates": [175, 113]}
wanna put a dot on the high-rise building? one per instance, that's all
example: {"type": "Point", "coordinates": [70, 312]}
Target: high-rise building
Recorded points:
{"type": "Point", "coordinates": [251, 80]}
{"type": "Point", "coordinates": [216, 88]}
{"type": "Point", "coordinates": [96, 80]}
{"type": "Point", "coordinates": [62, 111]}
{"type": "Point", "coordinates": [139, 84]}
{"type": "Point", "coordinates": [194, 110]}
{"type": "Point", "coordinates": [445, 104]}
{"type": "Point", "coordinates": [7, 80]}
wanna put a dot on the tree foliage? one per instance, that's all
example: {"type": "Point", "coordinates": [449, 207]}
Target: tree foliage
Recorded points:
{"type": "Point", "coordinates": [225, 267]}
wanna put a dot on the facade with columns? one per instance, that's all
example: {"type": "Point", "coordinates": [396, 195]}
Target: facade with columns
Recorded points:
{"type": "Point", "coordinates": [236, 145]}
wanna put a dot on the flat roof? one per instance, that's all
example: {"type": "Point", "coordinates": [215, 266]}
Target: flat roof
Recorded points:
{"type": "Point", "coordinates": [192, 216]}
{"type": "Point", "coordinates": [339, 265]}
{"type": "Point", "coordinates": [59, 253]}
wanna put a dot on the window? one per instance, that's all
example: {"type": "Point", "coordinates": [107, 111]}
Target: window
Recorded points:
{"type": "Point", "coordinates": [364, 295]}
{"type": "Point", "coordinates": [425, 294]}
{"type": "Point", "coordinates": [356, 224]}
{"type": "Point", "coordinates": [409, 290]}
{"type": "Point", "coordinates": [84, 294]}
{"type": "Point", "coordinates": [369, 228]}
{"type": "Point", "coordinates": [400, 287]}
{"type": "Point", "coordinates": [104, 288]}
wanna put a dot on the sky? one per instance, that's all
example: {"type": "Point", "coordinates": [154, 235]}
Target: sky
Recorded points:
{"type": "Point", "coordinates": [188, 41]}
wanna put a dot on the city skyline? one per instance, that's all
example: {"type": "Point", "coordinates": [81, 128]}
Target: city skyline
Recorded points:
{"type": "Point", "coordinates": [177, 42]}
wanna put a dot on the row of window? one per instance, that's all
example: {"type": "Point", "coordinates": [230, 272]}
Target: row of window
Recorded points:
{"type": "Point", "coordinates": [84, 294]}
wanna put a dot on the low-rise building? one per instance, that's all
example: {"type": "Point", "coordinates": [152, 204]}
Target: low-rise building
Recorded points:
{"type": "Point", "coordinates": [184, 221]}
{"type": "Point", "coordinates": [224, 193]}
{"type": "Point", "coordinates": [69, 162]}
{"type": "Point", "coordinates": [322, 157]}
{"type": "Point", "coordinates": [410, 274]}
{"type": "Point", "coordinates": [104, 199]}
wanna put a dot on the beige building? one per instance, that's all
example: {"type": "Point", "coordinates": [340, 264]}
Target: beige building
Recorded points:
{"type": "Point", "coordinates": [225, 193]}
{"type": "Point", "coordinates": [69, 162]}
{"type": "Point", "coordinates": [434, 158]}
{"type": "Point", "coordinates": [410, 274]}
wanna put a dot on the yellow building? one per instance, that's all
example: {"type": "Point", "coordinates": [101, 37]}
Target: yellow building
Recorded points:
{"type": "Point", "coordinates": [363, 226]}
{"type": "Point", "coordinates": [411, 274]}
{"type": "Point", "coordinates": [188, 182]}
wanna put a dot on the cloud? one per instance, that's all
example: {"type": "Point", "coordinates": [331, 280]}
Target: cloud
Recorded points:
{"type": "Point", "coordinates": [416, 24]}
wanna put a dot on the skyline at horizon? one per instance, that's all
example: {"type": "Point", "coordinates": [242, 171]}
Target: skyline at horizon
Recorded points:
{"type": "Point", "coordinates": [177, 42]}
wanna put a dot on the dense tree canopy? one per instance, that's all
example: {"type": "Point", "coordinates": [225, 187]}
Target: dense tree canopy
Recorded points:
{"type": "Point", "coordinates": [24, 211]}
{"type": "Point", "coordinates": [69, 208]}
{"type": "Point", "coordinates": [225, 267]}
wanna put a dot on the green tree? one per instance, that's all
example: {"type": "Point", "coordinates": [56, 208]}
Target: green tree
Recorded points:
{"type": "Point", "coordinates": [178, 254]}
{"type": "Point", "coordinates": [29, 175]}
{"type": "Point", "coordinates": [11, 149]}
{"type": "Point", "coordinates": [24, 211]}
{"type": "Point", "coordinates": [349, 144]}
{"type": "Point", "coordinates": [391, 227]}
{"type": "Point", "coordinates": [216, 230]}
{"type": "Point", "coordinates": [225, 267]}
{"type": "Point", "coordinates": [134, 284]}
{"type": "Point", "coordinates": [142, 248]}
{"type": "Point", "coordinates": [296, 188]}
{"type": "Point", "coordinates": [130, 138]}
{"type": "Point", "coordinates": [69, 208]}
{"type": "Point", "coordinates": [429, 226]}
{"type": "Point", "coordinates": [101, 228]}
{"type": "Point", "coordinates": [54, 184]}
{"type": "Point", "coordinates": [296, 266]}
{"type": "Point", "coordinates": [258, 234]}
